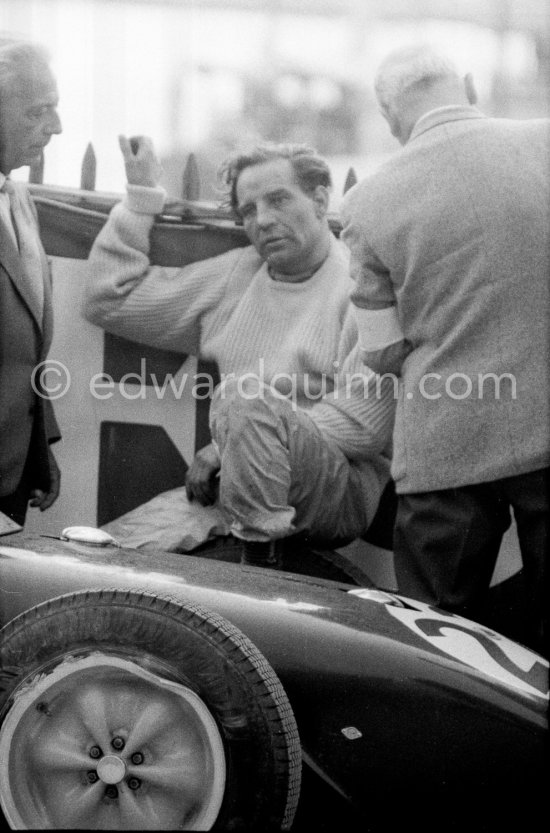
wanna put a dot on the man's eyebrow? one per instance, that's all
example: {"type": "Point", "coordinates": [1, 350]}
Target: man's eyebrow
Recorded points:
{"type": "Point", "coordinates": [281, 191]}
{"type": "Point", "coordinates": [278, 192]}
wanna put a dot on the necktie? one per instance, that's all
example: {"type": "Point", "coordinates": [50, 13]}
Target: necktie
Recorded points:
{"type": "Point", "coordinates": [29, 250]}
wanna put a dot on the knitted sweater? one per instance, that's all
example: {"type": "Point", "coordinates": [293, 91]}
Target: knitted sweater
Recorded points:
{"type": "Point", "coordinates": [299, 337]}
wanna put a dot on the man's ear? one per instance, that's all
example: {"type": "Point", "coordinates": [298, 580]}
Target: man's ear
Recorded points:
{"type": "Point", "coordinates": [469, 86]}
{"type": "Point", "coordinates": [392, 119]}
{"type": "Point", "coordinates": [321, 197]}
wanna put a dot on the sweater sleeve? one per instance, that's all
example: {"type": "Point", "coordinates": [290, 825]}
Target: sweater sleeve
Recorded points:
{"type": "Point", "coordinates": [358, 413]}
{"type": "Point", "coordinates": [156, 305]}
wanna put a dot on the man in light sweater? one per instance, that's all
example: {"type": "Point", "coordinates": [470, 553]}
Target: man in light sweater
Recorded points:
{"type": "Point", "coordinates": [300, 430]}
{"type": "Point", "coordinates": [450, 250]}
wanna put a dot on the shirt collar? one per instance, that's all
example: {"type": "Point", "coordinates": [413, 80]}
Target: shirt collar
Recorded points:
{"type": "Point", "coordinates": [2, 180]}
{"type": "Point", "coordinates": [448, 108]}
{"type": "Point", "coordinates": [441, 115]}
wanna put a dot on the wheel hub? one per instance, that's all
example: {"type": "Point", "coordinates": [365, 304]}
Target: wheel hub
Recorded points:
{"type": "Point", "coordinates": [111, 769]}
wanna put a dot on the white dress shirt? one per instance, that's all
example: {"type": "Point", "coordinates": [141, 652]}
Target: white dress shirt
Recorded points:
{"type": "Point", "coordinates": [5, 213]}
{"type": "Point", "coordinates": [21, 225]}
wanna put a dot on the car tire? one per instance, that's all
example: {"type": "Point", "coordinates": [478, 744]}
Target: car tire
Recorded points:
{"type": "Point", "coordinates": [134, 711]}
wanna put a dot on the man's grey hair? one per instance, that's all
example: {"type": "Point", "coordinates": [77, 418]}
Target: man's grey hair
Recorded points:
{"type": "Point", "coordinates": [417, 67]}
{"type": "Point", "coordinates": [20, 60]}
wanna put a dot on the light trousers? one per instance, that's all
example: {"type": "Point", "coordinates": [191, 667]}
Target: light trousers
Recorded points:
{"type": "Point", "coordinates": [279, 475]}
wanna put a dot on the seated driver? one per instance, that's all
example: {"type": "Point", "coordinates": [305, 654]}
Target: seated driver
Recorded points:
{"type": "Point", "coordinates": [300, 428]}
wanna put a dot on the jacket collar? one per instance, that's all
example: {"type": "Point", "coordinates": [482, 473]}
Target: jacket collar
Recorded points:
{"type": "Point", "coordinates": [442, 115]}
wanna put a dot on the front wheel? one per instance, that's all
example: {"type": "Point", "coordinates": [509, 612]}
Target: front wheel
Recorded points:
{"type": "Point", "coordinates": [123, 710]}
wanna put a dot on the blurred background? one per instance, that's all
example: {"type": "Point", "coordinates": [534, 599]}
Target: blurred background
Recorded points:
{"type": "Point", "coordinates": [209, 76]}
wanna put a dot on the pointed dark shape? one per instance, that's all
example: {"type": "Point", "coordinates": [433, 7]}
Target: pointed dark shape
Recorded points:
{"type": "Point", "coordinates": [351, 180]}
{"type": "Point", "coordinates": [88, 170]}
{"type": "Point", "coordinates": [190, 182]}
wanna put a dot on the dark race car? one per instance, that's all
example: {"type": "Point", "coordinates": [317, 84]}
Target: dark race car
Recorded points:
{"type": "Point", "coordinates": [146, 690]}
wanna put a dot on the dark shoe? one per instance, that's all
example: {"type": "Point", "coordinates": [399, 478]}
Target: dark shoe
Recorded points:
{"type": "Point", "coordinates": [261, 554]}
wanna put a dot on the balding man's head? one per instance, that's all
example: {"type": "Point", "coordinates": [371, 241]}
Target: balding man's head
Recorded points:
{"type": "Point", "coordinates": [20, 62]}
{"type": "Point", "coordinates": [411, 81]}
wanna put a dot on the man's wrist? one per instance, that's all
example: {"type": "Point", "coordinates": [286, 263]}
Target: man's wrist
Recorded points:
{"type": "Point", "coordinates": [378, 328]}
{"type": "Point", "coordinates": [145, 200]}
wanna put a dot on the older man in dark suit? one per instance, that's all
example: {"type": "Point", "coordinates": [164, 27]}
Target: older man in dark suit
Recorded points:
{"type": "Point", "coordinates": [28, 119]}
{"type": "Point", "coordinates": [450, 245]}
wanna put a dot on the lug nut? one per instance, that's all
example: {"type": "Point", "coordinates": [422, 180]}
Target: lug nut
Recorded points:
{"type": "Point", "coordinates": [92, 776]}
{"type": "Point", "coordinates": [137, 758]}
{"type": "Point", "coordinates": [111, 791]}
{"type": "Point", "coordinates": [134, 783]}
{"type": "Point", "coordinates": [95, 752]}
{"type": "Point", "coordinates": [118, 743]}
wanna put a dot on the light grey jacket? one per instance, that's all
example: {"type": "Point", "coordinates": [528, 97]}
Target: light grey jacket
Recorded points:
{"type": "Point", "coordinates": [455, 230]}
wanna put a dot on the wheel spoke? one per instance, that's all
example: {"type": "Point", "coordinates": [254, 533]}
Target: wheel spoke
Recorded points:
{"type": "Point", "coordinates": [175, 773]}
{"type": "Point", "coordinates": [153, 721]}
{"type": "Point", "coordinates": [81, 806]}
{"type": "Point", "coordinates": [143, 812]}
{"type": "Point", "coordinates": [70, 804]}
{"type": "Point", "coordinates": [58, 753]}
{"type": "Point", "coordinates": [92, 709]}
{"type": "Point", "coordinates": [157, 810]}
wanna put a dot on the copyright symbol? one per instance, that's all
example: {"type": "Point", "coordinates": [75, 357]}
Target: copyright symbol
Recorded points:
{"type": "Point", "coordinates": [50, 379]}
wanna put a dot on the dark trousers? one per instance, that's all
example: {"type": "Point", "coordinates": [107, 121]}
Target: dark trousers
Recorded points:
{"type": "Point", "coordinates": [446, 545]}
{"type": "Point", "coordinates": [15, 505]}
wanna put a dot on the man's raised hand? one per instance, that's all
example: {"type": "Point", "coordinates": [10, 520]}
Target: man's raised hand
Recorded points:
{"type": "Point", "coordinates": [140, 160]}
